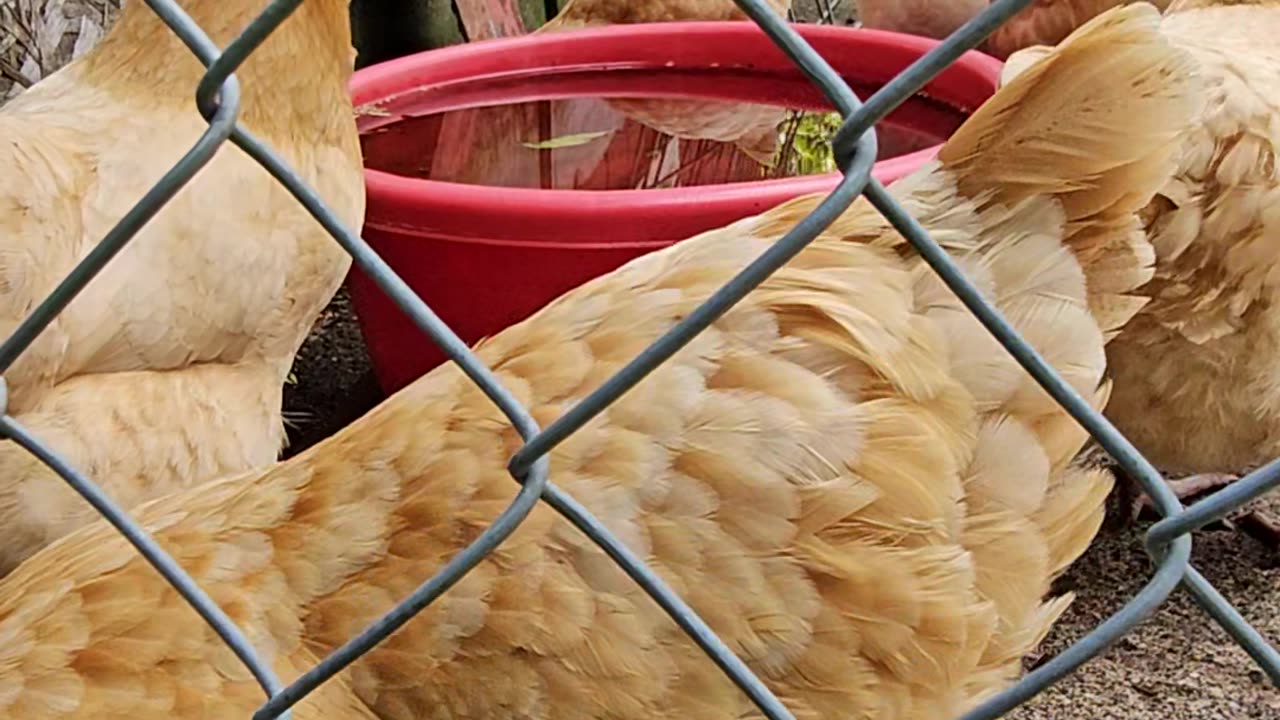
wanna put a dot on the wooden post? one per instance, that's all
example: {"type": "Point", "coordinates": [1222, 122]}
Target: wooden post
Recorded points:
{"type": "Point", "coordinates": [487, 19]}
{"type": "Point", "coordinates": [386, 29]}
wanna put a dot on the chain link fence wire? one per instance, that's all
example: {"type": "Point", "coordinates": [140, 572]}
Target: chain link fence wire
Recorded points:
{"type": "Point", "coordinates": [218, 101]}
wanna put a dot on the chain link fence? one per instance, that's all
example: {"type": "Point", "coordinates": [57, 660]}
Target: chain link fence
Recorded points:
{"type": "Point", "coordinates": [218, 100]}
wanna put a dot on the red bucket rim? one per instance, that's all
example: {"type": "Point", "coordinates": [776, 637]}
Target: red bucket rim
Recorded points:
{"type": "Point", "coordinates": [417, 199]}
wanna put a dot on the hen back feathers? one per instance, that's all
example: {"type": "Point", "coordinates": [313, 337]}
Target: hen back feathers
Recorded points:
{"type": "Point", "coordinates": [844, 476]}
{"type": "Point", "coordinates": [1196, 382]}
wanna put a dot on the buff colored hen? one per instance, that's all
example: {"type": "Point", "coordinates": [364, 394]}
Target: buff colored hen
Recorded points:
{"type": "Point", "coordinates": [1197, 379]}
{"type": "Point", "coordinates": [753, 128]}
{"type": "Point", "coordinates": [844, 476]}
{"type": "Point", "coordinates": [588, 13]}
{"type": "Point", "coordinates": [168, 369]}
{"type": "Point", "coordinates": [1042, 22]}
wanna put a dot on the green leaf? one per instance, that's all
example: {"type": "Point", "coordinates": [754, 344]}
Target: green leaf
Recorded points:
{"type": "Point", "coordinates": [565, 141]}
{"type": "Point", "coordinates": [810, 152]}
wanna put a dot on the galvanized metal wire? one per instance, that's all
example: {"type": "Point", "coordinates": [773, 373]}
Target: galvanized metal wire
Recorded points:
{"type": "Point", "coordinates": [218, 101]}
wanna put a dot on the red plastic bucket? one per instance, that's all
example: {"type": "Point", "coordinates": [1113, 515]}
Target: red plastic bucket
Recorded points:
{"type": "Point", "coordinates": [486, 257]}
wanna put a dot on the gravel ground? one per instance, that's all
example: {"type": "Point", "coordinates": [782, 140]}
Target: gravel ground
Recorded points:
{"type": "Point", "coordinates": [334, 380]}
{"type": "Point", "coordinates": [1178, 665]}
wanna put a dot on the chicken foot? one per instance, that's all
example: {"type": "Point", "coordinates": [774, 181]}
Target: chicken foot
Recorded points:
{"type": "Point", "coordinates": [1258, 524]}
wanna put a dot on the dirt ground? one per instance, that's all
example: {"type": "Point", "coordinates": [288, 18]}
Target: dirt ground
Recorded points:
{"type": "Point", "coordinates": [1177, 666]}
{"type": "Point", "coordinates": [334, 379]}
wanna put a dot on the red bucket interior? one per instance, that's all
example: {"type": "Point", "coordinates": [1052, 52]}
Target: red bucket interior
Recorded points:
{"type": "Point", "coordinates": [501, 174]}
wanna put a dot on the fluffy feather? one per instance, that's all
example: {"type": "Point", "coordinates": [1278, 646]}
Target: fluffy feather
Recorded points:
{"type": "Point", "coordinates": [167, 370]}
{"type": "Point", "coordinates": [1043, 22]}
{"type": "Point", "coordinates": [1197, 386]}
{"type": "Point", "coordinates": [587, 13]}
{"type": "Point", "coordinates": [818, 474]}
